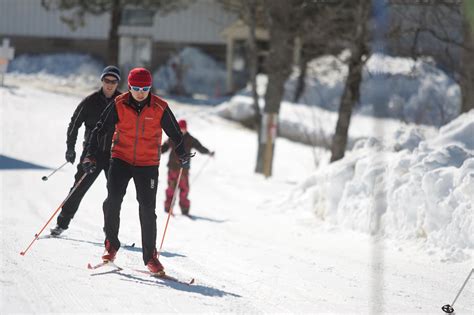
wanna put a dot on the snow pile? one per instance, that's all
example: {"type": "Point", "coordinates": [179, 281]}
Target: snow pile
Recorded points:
{"type": "Point", "coordinates": [240, 107]}
{"type": "Point", "coordinates": [392, 87]}
{"type": "Point", "coordinates": [311, 124]}
{"type": "Point", "coordinates": [412, 90]}
{"type": "Point", "coordinates": [425, 190]}
{"type": "Point", "coordinates": [71, 72]}
{"type": "Point", "coordinates": [200, 74]}
{"type": "Point", "coordinates": [63, 65]}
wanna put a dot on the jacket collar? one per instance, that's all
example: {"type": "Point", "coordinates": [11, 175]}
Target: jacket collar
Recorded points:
{"type": "Point", "coordinates": [138, 106]}
{"type": "Point", "coordinates": [116, 93]}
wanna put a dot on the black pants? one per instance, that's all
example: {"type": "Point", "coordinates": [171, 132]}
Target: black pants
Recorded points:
{"type": "Point", "coordinates": [72, 204]}
{"type": "Point", "coordinates": [146, 180]}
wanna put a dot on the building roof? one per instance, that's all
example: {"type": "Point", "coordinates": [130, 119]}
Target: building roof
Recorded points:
{"type": "Point", "coordinates": [239, 30]}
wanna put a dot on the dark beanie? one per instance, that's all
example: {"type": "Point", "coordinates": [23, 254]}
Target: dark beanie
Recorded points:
{"type": "Point", "coordinates": [139, 77]}
{"type": "Point", "coordinates": [110, 70]}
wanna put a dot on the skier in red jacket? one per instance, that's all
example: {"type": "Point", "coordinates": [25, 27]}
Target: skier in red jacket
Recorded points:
{"type": "Point", "coordinates": [137, 119]}
{"type": "Point", "coordinates": [174, 165]}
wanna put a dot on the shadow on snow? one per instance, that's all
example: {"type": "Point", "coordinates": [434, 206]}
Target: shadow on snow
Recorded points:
{"type": "Point", "coordinates": [100, 244]}
{"type": "Point", "coordinates": [201, 218]}
{"type": "Point", "coordinates": [193, 288]}
{"type": "Point", "coordinates": [8, 163]}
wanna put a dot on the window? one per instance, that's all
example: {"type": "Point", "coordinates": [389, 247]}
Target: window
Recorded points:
{"type": "Point", "coordinates": [137, 17]}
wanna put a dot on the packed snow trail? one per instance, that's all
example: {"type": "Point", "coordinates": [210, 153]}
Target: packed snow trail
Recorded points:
{"type": "Point", "coordinates": [248, 252]}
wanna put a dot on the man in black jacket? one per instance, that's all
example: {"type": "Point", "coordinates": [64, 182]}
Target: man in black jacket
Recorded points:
{"type": "Point", "coordinates": [88, 113]}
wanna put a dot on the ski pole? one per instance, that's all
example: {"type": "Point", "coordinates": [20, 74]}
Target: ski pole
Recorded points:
{"type": "Point", "coordinates": [449, 308]}
{"type": "Point", "coordinates": [201, 169]}
{"type": "Point", "coordinates": [60, 206]}
{"type": "Point", "coordinates": [170, 212]}
{"type": "Point", "coordinates": [45, 178]}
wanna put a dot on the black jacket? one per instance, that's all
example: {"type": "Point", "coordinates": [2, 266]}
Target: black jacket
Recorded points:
{"type": "Point", "coordinates": [189, 143]}
{"type": "Point", "coordinates": [88, 112]}
{"type": "Point", "coordinates": [109, 117]}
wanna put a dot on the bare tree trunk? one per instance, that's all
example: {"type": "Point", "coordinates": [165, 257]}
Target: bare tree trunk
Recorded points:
{"type": "Point", "coordinates": [253, 59]}
{"type": "Point", "coordinates": [113, 42]}
{"type": "Point", "coordinates": [301, 83]}
{"type": "Point", "coordinates": [467, 68]}
{"type": "Point", "coordinates": [279, 62]}
{"type": "Point", "coordinates": [350, 96]}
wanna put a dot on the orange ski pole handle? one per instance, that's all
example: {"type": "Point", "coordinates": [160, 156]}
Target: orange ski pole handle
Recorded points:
{"type": "Point", "coordinates": [55, 212]}
{"type": "Point", "coordinates": [170, 211]}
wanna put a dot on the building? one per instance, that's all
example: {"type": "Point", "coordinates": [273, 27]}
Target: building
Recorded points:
{"type": "Point", "coordinates": [147, 38]}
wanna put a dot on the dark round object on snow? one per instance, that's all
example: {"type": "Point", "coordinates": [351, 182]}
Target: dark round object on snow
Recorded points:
{"type": "Point", "coordinates": [448, 308]}
{"type": "Point", "coordinates": [45, 178]}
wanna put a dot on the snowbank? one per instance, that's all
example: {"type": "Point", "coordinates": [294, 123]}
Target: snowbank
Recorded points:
{"type": "Point", "coordinates": [72, 73]}
{"type": "Point", "coordinates": [425, 190]}
{"type": "Point", "coordinates": [200, 74]}
{"type": "Point", "coordinates": [63, 65]}
{"type": "Point", "coordinates": [314, 125]}
{"type": "Point", "coordinates": [392, 87]}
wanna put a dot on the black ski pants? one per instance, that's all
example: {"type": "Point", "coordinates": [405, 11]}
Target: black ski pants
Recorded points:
{"type": "Point", "coordinates": [146, 181]}
{"type": "Point", "coordinates": [70, 207]}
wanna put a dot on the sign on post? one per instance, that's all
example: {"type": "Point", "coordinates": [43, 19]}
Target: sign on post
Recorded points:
{"type": "Point", "coordinates": [6, 54]}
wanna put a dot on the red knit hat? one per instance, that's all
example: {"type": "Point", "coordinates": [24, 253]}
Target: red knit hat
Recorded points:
{"type": "Point", "coordinates": [139, 77]}
{"type": "Point", "coordinates": [182, 124]}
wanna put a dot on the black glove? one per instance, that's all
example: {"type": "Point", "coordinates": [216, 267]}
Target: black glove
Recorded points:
{"type": "Point", "coordinates": [212, 153]}
{"type": "Point", "coordinates": [89, 164]}
{"type": "Point", "coordinates": [186, 160]}
{"type": "Point", "coordinates": [70, 155]}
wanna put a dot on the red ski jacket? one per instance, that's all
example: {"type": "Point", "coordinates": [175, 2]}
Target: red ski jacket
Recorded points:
{"type": "Point", "coordinates": [137, 137]}
{"type": "Point", "coordinates": [137, 130]}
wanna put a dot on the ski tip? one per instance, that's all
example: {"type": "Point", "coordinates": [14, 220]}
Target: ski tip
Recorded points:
{"type": "Point", "coordinates": [89, 266]}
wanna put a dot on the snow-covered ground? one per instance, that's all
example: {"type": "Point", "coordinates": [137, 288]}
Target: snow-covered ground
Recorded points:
{"type": "Point", "coordinates": [295, 243]}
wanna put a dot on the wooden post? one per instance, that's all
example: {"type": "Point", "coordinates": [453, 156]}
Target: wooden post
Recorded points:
{"type": "Point", "coordinates": [6, 54]}
{"type": "Point", "coordinates": [269, 135]}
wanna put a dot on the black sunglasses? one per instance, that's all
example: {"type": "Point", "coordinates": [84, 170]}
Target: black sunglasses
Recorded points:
{"type": "Point", "coordinates": [110, 81]}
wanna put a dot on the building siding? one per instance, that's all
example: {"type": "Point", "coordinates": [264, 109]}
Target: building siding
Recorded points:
{"type": "Point", "coordinates": [29, 18]}
{"type": "Point", "coordinates": [201, 22]}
